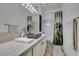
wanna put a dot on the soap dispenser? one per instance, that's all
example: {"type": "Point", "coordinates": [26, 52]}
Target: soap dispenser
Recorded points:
{"type": "Point", "coordinates": [22, 34]}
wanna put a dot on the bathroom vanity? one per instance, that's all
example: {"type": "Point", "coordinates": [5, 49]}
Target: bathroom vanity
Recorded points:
{"type": "Point", "coordinates": [35, 48]}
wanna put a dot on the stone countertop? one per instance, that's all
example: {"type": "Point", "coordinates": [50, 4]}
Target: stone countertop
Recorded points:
{"type": "Point", "coordinates": [13, 48]}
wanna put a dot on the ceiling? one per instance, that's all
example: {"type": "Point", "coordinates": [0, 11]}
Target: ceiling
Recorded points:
{"type": "Point", "coordinates": [47, 6]}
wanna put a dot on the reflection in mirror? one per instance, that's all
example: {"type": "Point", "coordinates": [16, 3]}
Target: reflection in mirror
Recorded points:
{"type": "Point", "coordinates": [29, 24]}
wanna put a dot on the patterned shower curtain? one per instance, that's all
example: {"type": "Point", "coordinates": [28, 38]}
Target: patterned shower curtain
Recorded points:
{"type": "Point", "coordinates": [58, 29]}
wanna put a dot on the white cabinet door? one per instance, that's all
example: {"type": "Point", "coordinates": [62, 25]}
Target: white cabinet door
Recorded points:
{"type": "Point", "coordinates": [37, 49]}
{"type": "Point", "coordinates": [40, 47]}
{"type": "Point", "coordinates": [44, 45]}
{"type": "Point", "coordinates": [27, 53]}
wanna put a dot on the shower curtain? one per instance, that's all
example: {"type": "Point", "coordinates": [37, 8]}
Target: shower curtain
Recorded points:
{"type": "Point", "coordinates": [58, 29]}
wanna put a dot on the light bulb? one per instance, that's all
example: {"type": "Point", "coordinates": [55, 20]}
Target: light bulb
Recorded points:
{"type": "Point", "coordinates": [26, 6]}
{"type": "Point", "coordinates": [32, 11]}
{"type": "Point", "coordinates": [30, 6]}
{"type": "Point", "coordinates": [23, 4]}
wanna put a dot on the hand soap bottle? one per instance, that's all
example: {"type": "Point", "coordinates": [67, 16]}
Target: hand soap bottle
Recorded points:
{"type": "Point", "coordinates": [22, 34]}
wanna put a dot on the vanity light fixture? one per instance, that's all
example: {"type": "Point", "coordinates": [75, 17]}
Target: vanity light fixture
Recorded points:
{"type": "Point", "coordinates": [30, 8]}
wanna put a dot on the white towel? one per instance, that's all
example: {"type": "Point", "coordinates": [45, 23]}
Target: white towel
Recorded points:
{"type": "Point", "coordinates": [23, 40]}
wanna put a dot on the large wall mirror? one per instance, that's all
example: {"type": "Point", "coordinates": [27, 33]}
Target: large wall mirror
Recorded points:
{"type": "Point", "coordinates": [29, 24]}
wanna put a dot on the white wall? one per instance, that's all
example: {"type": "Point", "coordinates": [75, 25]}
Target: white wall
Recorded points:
{"type": "Point", "coordinates": [48, 18]}
{"type": "Point", "coordinates": [35, 18]}
{"type": "Point", "coordinates": [70, 11]}
{"type": "Point", "coordinates": [48, 25]}
{"type": "Point", "coordinates": [12, 14]}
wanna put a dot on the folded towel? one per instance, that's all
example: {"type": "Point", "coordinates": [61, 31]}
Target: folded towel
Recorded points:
{"type": "Point", "coordinates": [23, 40]}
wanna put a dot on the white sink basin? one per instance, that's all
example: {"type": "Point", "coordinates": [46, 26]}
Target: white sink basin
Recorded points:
{"type": "Point", "coordinates": [23, 40]}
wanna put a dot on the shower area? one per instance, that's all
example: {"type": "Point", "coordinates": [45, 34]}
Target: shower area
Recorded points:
{"type": "Point", "coordinates": [58, 29]}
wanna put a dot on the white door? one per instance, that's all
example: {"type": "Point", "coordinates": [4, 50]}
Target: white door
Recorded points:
{"type": "Point", "coordinates": [43, 43]}
{"type": "Point", "coordinates": [37, 49]}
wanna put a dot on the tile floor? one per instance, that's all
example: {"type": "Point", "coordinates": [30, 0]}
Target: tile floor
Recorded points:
{"type": "Point", "coordinates": [57, 50]}
{"type": "Point", "coordinates": [54, 50]}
